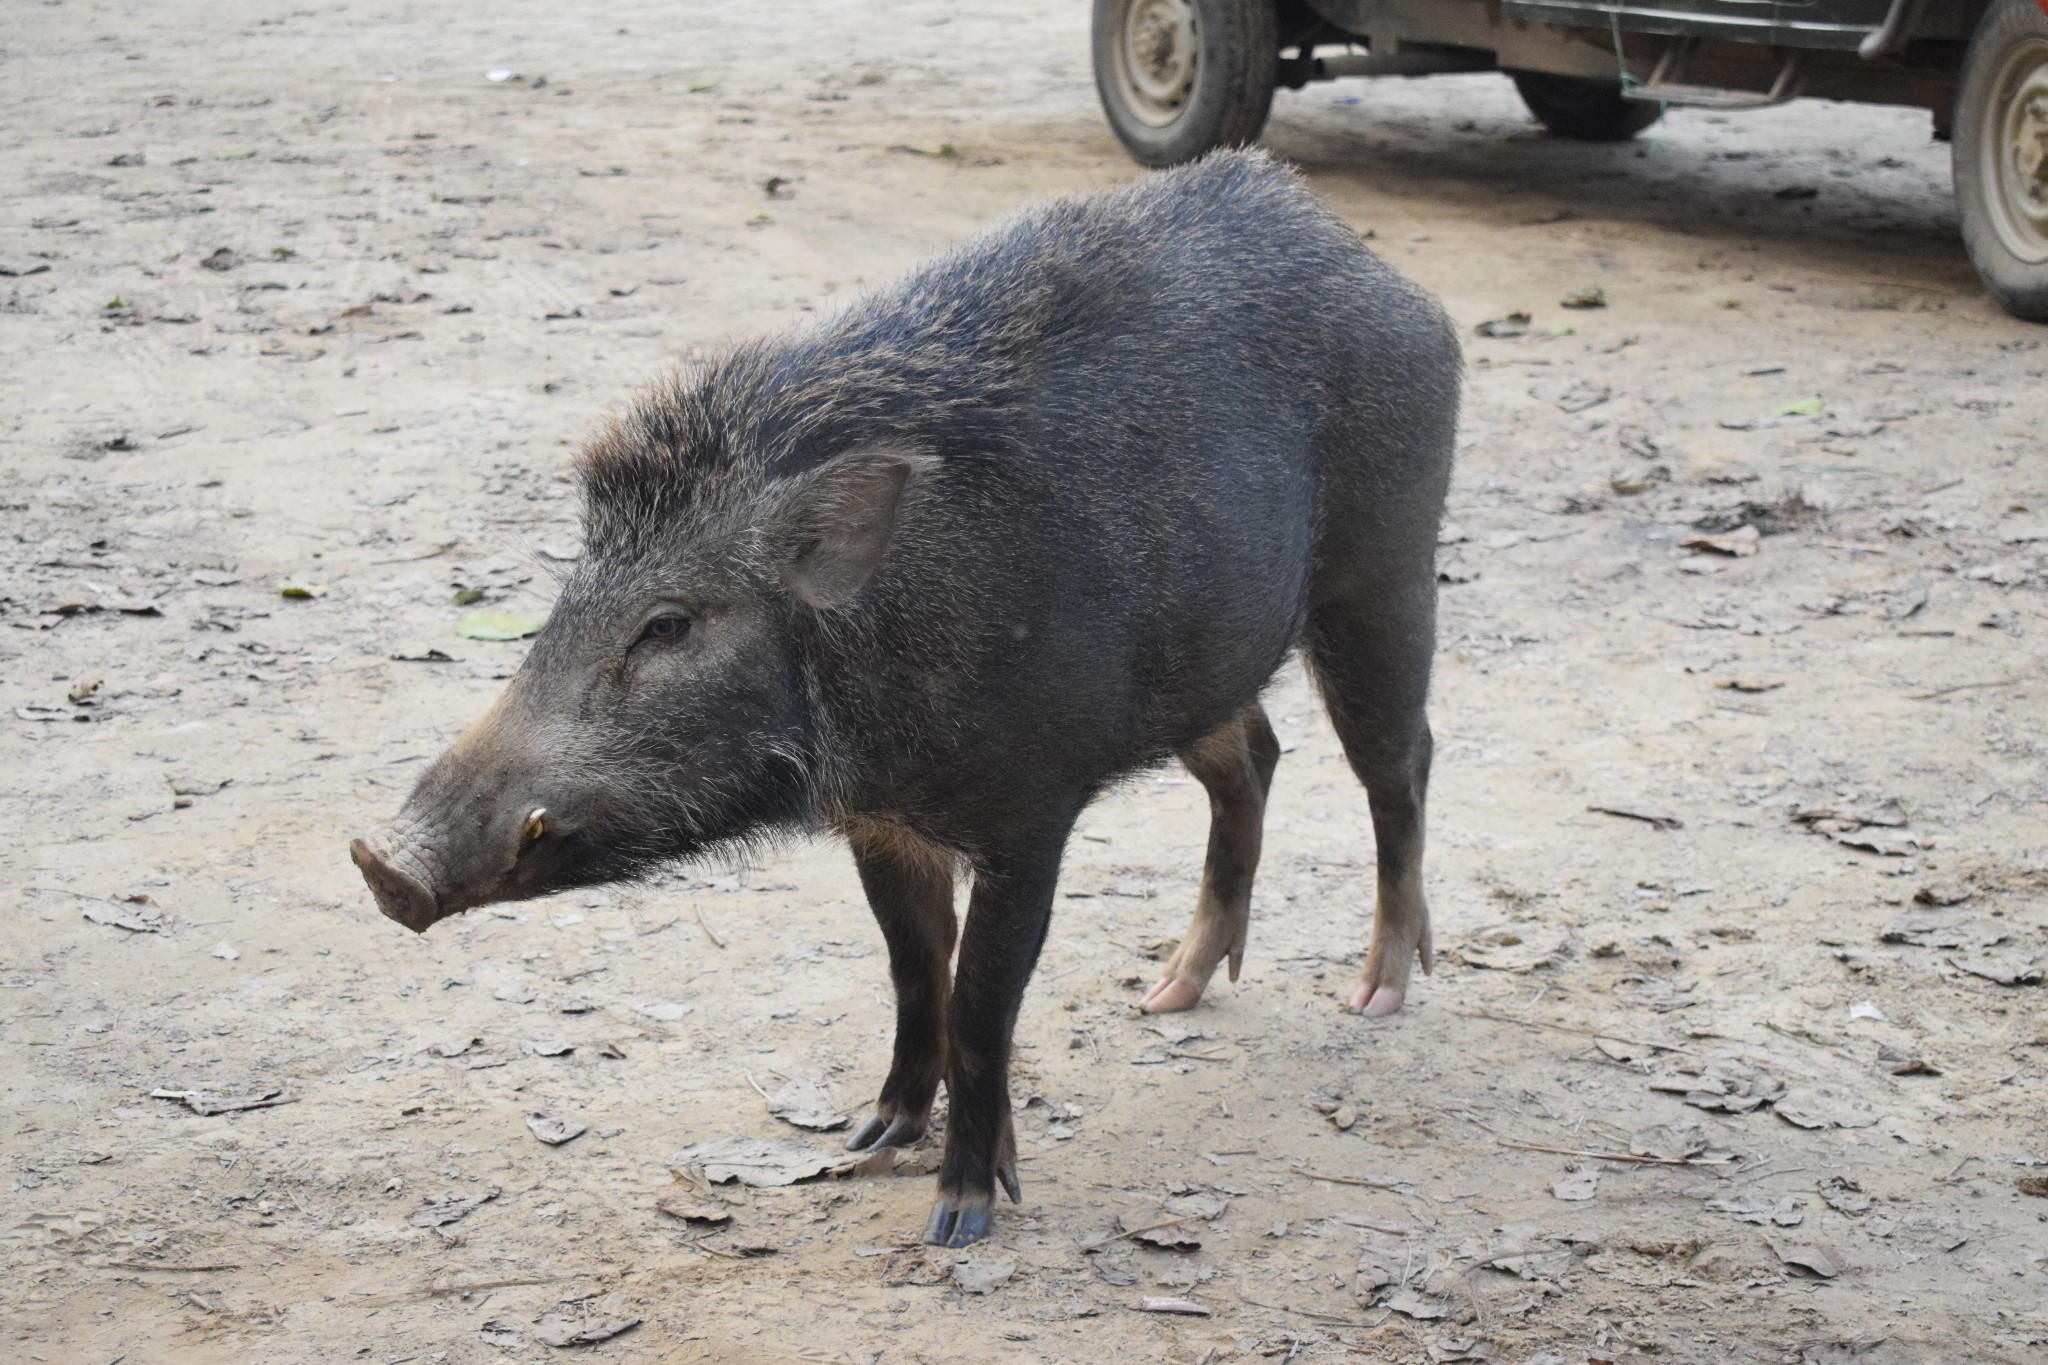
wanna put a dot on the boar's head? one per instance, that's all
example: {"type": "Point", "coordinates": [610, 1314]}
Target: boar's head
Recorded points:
{"type": "Point", "coordinates": [667, 708]}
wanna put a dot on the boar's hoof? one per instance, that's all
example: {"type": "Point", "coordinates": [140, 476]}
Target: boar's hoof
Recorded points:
{"type": "Point", "coordinates": [953, 1225]}
{"type": "Point", "coordinates": [1373, 1001]}
{"type": "Point", "coordinates": [399, 896]}
{"type": "Point", "coordinates": [882, 1131]}
{"type": "Point", "coordinates": [1170, 994]}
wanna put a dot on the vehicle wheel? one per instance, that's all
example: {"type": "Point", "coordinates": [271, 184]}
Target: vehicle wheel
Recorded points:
{"type": "Point", "coordinates": [1591, 111]}
{"type": "Point", "coordinates": [1181, 77]}
{"type": "Point", "coordinates": [2001, 155]}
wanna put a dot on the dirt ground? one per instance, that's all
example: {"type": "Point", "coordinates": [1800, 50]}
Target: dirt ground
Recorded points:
{"type": "Point", "coordinates": [303, 297]}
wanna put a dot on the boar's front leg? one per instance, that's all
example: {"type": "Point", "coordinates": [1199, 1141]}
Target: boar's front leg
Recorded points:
{"type": "Point", "coordinates": [1235, 765]}
{"type": "Point", "coordinates": [910, 888]}
{"type": "Point", "coordinates": [1006, 922]}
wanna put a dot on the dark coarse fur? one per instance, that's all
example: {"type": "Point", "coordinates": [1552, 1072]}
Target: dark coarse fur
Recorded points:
{"type": "Point", "coordinates": [1138, 401]}
{"type": "Point", "coordinates": [934, 573]}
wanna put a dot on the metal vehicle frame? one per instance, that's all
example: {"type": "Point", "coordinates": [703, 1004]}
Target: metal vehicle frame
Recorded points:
{"type": "Point", "coordinates": [1178, 77]}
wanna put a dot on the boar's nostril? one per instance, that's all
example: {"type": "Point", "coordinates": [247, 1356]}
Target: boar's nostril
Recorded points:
{"type": "Point", "coordinates": [535, 826]}
{"type": "Point", "coordinates": [401, 897]}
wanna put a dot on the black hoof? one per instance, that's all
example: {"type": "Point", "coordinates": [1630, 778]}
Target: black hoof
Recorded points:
{"type": "Point", "coordinates": [1007, 1173]}
{"type": "Point", "coordinates": [953, 1226]}
{"type": "Point", "coordinates": [882, 1131]}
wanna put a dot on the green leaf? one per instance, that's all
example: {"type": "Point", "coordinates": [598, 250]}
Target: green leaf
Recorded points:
{"type": "Point", "coordinates": [464, 596]}
{"type": "Point", "coordinates": [1801, 407]}
{"type": "Point", "coordinates": [489, 624]}
{"type": "Point", "coordinates": [302, 591]}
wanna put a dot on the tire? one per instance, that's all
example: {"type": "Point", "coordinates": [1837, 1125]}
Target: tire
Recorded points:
{"type": "Point", "coordinates": [1182, 77]}
{"type": "Point", "coordinates": [2001, 155]}
{"type": "Point", "coordinates": [1587, 111]}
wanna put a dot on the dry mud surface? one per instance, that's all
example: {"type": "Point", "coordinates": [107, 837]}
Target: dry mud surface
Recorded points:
{"type": "Point", "coordinates": [300, 296]}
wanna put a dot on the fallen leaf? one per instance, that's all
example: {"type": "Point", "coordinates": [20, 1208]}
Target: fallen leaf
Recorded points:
{"type": "Point", "coordinates": [1935, 928]}
{"type": "Point", "coordinates": [1164, 1231]}
{"type": "Point", "coordinates": [206, 1105]}
{"type": "Point", "coordinates": [1185, 1307]}
{"type": "Point", "coordinates": [1720, 1082]}
{"type": "Point", "coordinates": [302, 591]}
{"type": "Point", "coordinates": [1741, 543]}
{"type": "Point", "coordinates": [1808, 1256]}
{"type": "Point", "coordinates": [1584, 395]}
{"type": "Point", "coordinates": [1413, 1303]}
{"type": "Point", "coordinates": [980, 1274]}
{"type": "Point", "coordinates": [762, 1164]}
{"type": "Point", "coordinates": [1592, 296]}
{"type": "Point", "coordinates": [1503, 948]}
{"type": "Point", "coordinates": [452, 1207]}
{"type": "Point", "coordinates": [492, 624]}
{"type": "Point", "coordinates": [1888, 843]}
{"type": "Point", "coordinates": [136, 919]}
{"type": "Point", "coordinates": [546, 1047]}
{"type": "Point", "coordinates": [1747, 685]}
{"type": "Point", "coordinates": [1798, 407]}
{"type": "Point", "coordinates": [1577, 1187]}
{"type": "Point", "coordinates": [502, 1334]}
{"type": "Point", "coordinates": [1820, 1107]}
{"type": "Point", "coordinates": [554, 1130]}
{"type": "Point", "coordinates": [561, 1329]}
{"type": "Point", "coordinates": [1669, 1141]}
{"type": "Point", "coordinates": [1761, 1209]}
{"type": "Point", "coordinates": [2010, 968]}
{"type": "Point", "coordinates": [807, 1104]}
{"type": "Point", "coordinates": [1513, 325]}
{"type": "Point", "coordinates": [694, 1211]}
{"type": "Point", "coordinates": [1844, 1195]}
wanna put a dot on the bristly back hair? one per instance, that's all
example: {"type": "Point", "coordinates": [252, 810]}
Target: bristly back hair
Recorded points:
{"type": "Point", "coordinates": [937, 361]}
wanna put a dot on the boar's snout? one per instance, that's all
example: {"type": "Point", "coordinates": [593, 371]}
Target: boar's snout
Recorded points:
{"type": "Point", "coordinates": [400, 894]}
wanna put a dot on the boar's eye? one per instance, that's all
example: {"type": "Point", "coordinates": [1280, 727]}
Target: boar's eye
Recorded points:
{"type": "Point", "coordinates": [667, 628]}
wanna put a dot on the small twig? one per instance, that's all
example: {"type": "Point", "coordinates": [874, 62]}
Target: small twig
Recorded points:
{"type": "Point", "coordinates": [1351, 1179]}
{"type": "Point", "coordinates": [414, 559]}
{"type": "Point", "coordinates": [459, 1287]}
{"type": "Point", "coordinates": [1197, 1056]}
{"type": "Point", "coordinates": [709, 1250]}
{"type": "Point", "coordinates": [1614, 1156]}
{"type": "Point", "coordinates": [756, 1084]}
{"type": "Point", "coordinates": [1297, 1312]}
{"type": "Point", "coordinates": [1900, 284]}
{"type": "Point", "coordinates": [1963, 687]}
{"type": "Point", "coordinates": [1235, 1151]}
{"type": "Point", "coordinates": [665, 924]}
{"type": "Point", "coordinates": [1573, 1028]}
{"type": "Point", "coordinates": [1133, 1232]}
{"type": "Point", "coordinates": [705, 925]}
{"type": "Point", "coordinates": [157, 1265]}
{"type": "Point", "coordinates": [578, 976]}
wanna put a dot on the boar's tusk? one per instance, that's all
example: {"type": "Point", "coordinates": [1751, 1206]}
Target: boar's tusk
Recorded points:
{"type": "Point", "coordinates": [535, 826]}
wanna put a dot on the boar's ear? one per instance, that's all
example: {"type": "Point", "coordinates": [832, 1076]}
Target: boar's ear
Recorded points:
{"type": "Point", "coordinates": [841, 518]}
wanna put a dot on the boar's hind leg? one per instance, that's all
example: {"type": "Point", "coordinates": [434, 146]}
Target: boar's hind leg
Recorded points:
{"type": "Point", "coordinates": [1006, 921]}
{"type": "Point", "coordinates": [1236, 766]}
{"type": "Point", "coordinates": [910, 887]}
{"type": "Point", "coordinates": [1370, 649]}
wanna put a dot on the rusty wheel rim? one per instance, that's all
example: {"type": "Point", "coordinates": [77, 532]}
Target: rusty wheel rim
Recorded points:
{"type": "Point", "coordinates": [1156, 59]}
{"type": "Point", "coordinates": [2013, 151]}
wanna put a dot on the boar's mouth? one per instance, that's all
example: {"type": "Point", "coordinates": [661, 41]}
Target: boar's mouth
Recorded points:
{"type": "Point", "coordinates": [401, 887]}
